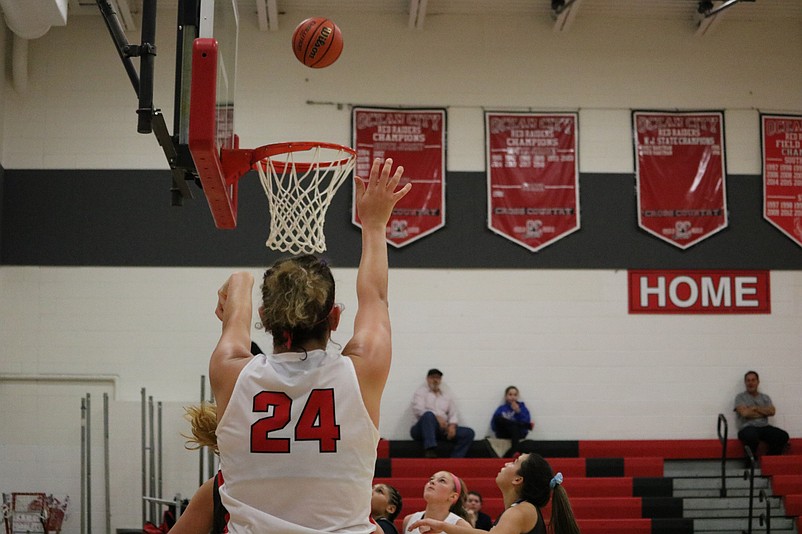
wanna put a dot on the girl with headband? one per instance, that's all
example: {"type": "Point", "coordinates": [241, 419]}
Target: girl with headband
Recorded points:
{"type": "Point", "coordinates": [445, 495]}
{"type": "Point", "coordinates": [527, 484]}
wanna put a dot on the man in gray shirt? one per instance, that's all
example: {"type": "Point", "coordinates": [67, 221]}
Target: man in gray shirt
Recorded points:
{"type": "Point", "coordinates": [754, 409]}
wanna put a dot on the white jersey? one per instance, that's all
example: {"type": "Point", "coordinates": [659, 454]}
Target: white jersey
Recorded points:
{"type": "Point", "coordinates": [451, 519]}
{"type": "Point", "coordinates": [297, 447]}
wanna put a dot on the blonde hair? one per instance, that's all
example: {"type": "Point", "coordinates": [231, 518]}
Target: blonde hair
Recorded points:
{"type": "Point", "coordinates": [203, 418]}
{"type": "Point", "coordinates": [297, 297]}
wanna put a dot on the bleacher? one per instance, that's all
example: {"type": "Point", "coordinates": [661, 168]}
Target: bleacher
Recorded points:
{"type": "Point", "coordinates": [786, 480]}
{"type": "Point", "coordinates": [614, 486]}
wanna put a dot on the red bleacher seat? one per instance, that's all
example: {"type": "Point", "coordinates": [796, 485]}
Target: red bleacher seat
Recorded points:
{"type": "Point", "coordinates": [644, 467]}
{"type": "Point", "coordinates": [575, 486]}
{"type": "Point", "coordinates": [781, 465]}
{"type": "Point", "coordinates": [615, 526]}
{"type": "Point", "coordinates": [584, 507]}
{"type": "Point", "coordinates": [418, 467]}
{"type": "Point", "coordinates": [793, 505]}
{"type": "Point", "coordinates": [598, 487]}
{"type": "Point", "coordinates": [664, 448]}
{"type": "Point", "coordinates": [786, 484]}
{"type": "Point", "coordinates": [489, 467]}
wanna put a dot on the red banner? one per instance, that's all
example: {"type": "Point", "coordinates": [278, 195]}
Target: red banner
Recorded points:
{"type": "Point", "coordinates": [415, 139]}
{"type": "Point", "coordinates": [679, 169]}
{"type": "Point", "coordinates": [702, 292]}
{"type": "Point", "coordinates": [782, 173]}
{"type": "Point", "coordinates": [532, 176]}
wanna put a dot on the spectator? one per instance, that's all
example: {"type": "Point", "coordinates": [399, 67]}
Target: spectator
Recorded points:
{"type": "Point", "coordinates": [444, 494]}
{"type": "Point", "coordinates": [436, 415]}
{"type": "Point", "coordinates": [511, 420]}
{"type": "Point", "coordinates": [385, 505]}
{"type": "Point", "coordinates": [754, 409]}
{"type": "Point", "coordinates": [477, 518]}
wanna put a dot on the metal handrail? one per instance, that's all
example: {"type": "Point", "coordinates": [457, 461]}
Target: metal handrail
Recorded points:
{"type": "Point", "coordinates": [722, 422]}
{"type": "Point", "coordinates": [765, 517]}
{"type": "Point", "coordinates": [750, 475]}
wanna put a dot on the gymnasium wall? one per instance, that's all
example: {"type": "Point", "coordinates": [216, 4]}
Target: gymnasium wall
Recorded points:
{"type": "Point", "coordinates": [100, 277]}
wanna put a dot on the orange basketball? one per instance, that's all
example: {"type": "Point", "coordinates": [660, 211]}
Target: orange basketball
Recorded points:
{"type": "Point", "coordinates": [317, 42]}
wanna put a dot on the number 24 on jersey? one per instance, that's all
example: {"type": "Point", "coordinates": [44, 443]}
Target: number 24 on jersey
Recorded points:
{"type": "Point", "coordinates": [317, 421]}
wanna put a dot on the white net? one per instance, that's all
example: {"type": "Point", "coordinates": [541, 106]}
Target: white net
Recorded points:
{"type": "Point", "coordinates": [300, 185]}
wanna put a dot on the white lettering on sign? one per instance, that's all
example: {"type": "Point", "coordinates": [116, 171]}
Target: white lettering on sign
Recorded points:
{"type": "Point", "coordinates": [699, 292]}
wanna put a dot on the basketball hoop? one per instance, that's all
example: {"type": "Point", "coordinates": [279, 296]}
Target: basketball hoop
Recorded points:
{"type": "Point", "coordinates": [300, 180]}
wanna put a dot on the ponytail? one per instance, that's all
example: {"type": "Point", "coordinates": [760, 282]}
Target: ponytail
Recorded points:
{"type": "Point", "coordinates": [562, 515]}
{"type": "Point", "coordinates": [541, 485]}
{"type": "Point", "coordinates": [203, 418]}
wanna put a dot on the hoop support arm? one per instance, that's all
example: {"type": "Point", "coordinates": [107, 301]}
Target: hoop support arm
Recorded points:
{"type": "Point", "coordinates": [222, 197]}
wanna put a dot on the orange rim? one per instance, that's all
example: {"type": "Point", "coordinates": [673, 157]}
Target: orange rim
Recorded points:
{"type": "Point", "coordinates": [264, 153]}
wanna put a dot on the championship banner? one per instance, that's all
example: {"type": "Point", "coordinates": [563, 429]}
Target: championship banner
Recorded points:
{"type": "Point", "coordinates": [782, 173]}
{"type": "Point", "coordinates": [679, 172]}
{"type": "Point", "coordinates": [699, 292]}
{"type": "Point", "coordinates": [414, 139]}
{"type": "Point", "coordinates": [532, 176]}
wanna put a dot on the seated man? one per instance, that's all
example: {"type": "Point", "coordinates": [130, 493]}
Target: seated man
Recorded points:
{"type": "Point", "coordinates": [436, 416]}
{"type": "Point", "coordinates": [754, 409]}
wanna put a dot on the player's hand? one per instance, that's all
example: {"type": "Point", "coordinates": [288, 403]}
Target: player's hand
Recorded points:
{"type": "Point", "coordinates": [426, 525]}
{"type": "Point", "coordinates": [236, 280]}
{"type": "Point", "coordinates": [376, 197]}
{"type": "Point", "coordinates": [451, 432]}
{"type": "Point", "coordinates": [222, 297]}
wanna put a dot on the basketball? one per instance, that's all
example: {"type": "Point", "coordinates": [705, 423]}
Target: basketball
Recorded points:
{"type": "Point", "coordinates": [317, 42]}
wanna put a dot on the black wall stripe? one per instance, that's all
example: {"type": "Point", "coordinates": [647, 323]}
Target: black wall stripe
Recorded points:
{"type": "Point", "coordinates": [124, 217]}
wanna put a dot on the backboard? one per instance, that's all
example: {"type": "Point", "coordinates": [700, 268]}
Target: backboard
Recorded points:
{"type": "Point", "coordinates": [206, 63]}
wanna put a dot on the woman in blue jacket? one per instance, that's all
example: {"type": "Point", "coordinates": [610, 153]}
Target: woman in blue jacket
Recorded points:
{"type": "Point", "coordinates": [511, 420]}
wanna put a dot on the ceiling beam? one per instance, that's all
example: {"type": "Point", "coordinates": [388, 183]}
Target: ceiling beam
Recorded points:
{"type": "Point", "coordinates": [705, 21]}
{"type": "Point", "coordinates": [123, 9]}
{"type": "Point", "coordinates": [564, 13]}
{"type": "Point", "coordinates": [272, 15]}
{"type": "Point", "coordinates": [723, 6]}
{"type": "Point", "coordinates": [417, 13]}
{"type": "Point", "coordinates": [267, 15]}
{"type": "Point", "coordinates": [261, 15]}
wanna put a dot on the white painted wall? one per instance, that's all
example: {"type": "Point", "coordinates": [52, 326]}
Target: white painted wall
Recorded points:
{"type": "Point", "coordinates": [586, 368]}
{"type": "Point", "coordinates": [79, 111]}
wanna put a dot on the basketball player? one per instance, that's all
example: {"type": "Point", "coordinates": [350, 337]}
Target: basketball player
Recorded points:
{"type": "Point", "coordinates": [527, 485]}
{"type": "Point", "coordinates": [444, 494]}
{"type": "Point", "coordinates": [297, 429]}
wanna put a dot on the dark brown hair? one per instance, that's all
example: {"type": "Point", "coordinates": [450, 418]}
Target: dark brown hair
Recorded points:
{"type": "Point", "coordinates": [536, 489]}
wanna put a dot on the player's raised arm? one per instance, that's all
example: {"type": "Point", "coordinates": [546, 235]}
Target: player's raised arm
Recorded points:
{"type": "Point", "coordinates": [371, 347]}
{"type": "Point", "coordinates": [233, 350]}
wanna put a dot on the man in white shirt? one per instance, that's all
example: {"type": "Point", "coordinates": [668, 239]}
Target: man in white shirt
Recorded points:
{"type": "Point", "coordinates": [437, 418]}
